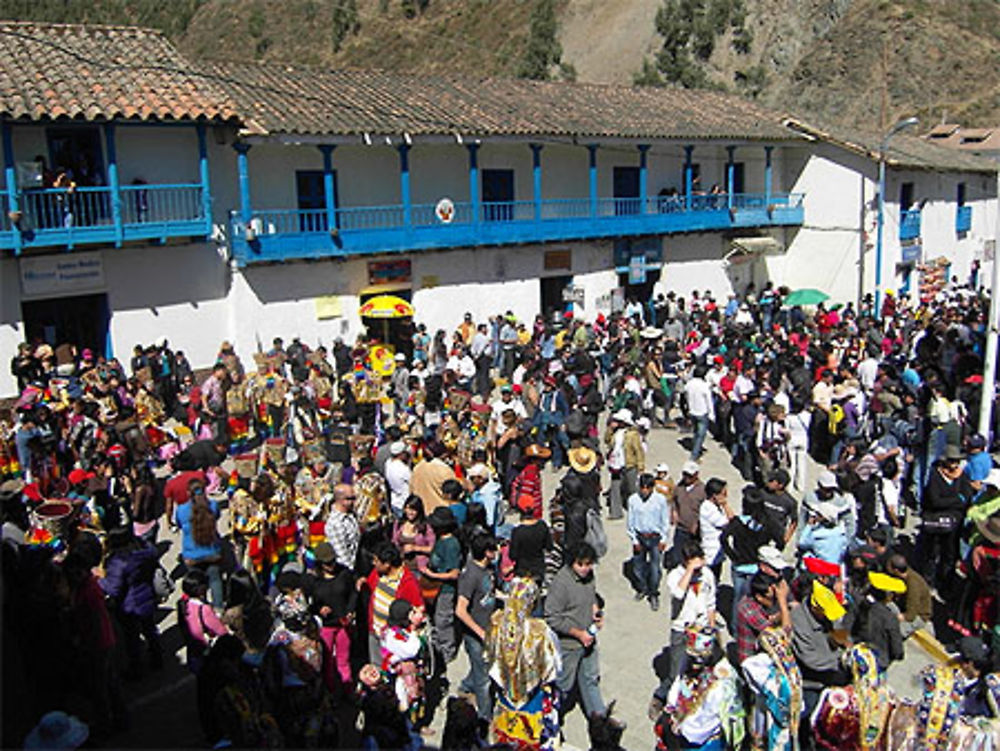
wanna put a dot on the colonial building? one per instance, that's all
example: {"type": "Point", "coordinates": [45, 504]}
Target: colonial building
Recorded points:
{"type": "Point", "coordinates": [150, 195]}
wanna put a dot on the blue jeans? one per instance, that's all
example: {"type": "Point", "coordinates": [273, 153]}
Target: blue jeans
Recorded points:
{"type": "Point", "coordinates": [477, 681]}
{"type": "Point", "coordinates": [582, 668]}
{"type": "Point", "coordinates": [214, 574]}
{"type": "Point", "coordinates": [700, 430]}
{"type": "Point", "coordinates": [646, 564]}
{"type": "Point", "coordinates": [741, 586]}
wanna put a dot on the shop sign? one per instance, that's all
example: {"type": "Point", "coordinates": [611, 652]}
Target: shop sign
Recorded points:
{"type": "Point", "coordinates": [389, 272]}
{"type": "Point", "coordinates": [61, 275]}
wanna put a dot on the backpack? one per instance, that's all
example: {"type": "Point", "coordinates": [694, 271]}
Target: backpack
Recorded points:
{"type": "Point", "coordinates": [596, 537]}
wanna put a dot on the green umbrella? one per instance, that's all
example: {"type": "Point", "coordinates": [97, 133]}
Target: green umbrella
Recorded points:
{"type": "Point", "coordinates": [806, 297]}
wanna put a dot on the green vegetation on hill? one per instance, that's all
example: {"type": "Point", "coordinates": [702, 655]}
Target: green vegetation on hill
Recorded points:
{"type": "Point", "coordinates": [851, 62]}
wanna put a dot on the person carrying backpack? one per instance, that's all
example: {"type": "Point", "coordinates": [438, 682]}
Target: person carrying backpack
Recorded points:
{"type": "Point", "coordinates": [197, 619]}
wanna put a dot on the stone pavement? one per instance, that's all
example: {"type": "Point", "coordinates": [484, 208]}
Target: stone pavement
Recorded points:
{"type": "Point", "coordinates": [633, 634]}
{"type": "Point", "coordinates": [165, 714]}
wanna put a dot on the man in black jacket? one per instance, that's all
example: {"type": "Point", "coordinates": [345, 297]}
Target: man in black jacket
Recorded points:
{"type": "Point", "coordinates": [945, 498]}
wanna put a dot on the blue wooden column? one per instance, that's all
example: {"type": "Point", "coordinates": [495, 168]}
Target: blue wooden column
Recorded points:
{"type": "Point", "coordinates": [767, 175]}
{"type": "Point", "coordinates": [536, 179]}
{"type": "Point", "coordinates": [206, 185]}
{"type": "Point", "coordinates": [688, 176]}
{"type": "Point", "coordinates": [643, 177]}
{"type": "Point", "coordinates": [474, 199]}
{"type": "Point", "coordinates": [243, 175]}
{"type": "Point", "coordinates": [730, 175]}
{"type": "Point", "coordinates": [592, 148]}
{"type": "Point", "coordinates": [404, 183]}
{"type": "Point", "coordinates": [329, 197]}
{"type": "Point", "coordinates": [10, 180]}
{"type": "Point", "coordinates": [113, 183]}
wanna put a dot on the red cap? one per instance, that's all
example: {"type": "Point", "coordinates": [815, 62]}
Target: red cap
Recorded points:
{"type": "Point", "coordinates": [116, 451]}
{"type": "Point", "coordinates": [820, 567]}
{"type": "Point", "coordinates": [516, 388]}
{"type": "Point", "coordinates": [976, 378]}
{"type": "Point", "coordinates": [78, 476]}
{"type": "Point", "coordinates": [719, 360]}
{"type": "Point", "coordinates": [549, 381]}
{"type": "Point", "coordinates": [31, 492]}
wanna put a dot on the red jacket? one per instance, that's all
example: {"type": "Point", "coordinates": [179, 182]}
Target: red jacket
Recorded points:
{"type": "Point", "coordinates": [408, 589]}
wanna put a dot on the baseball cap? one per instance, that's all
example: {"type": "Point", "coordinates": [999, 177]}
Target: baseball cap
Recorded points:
{"type": "Point", "coordinates": [690, 468]}
{"type": "Point", "coordinates": [769, 555]}
{"type": "Point", "coordinates": [824, 599]}
{"type": "Point", "coordinates": [827, 479]}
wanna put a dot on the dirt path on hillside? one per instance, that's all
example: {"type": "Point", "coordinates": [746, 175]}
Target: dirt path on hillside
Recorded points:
{"type": "Point", "coordinates": [605, 40]}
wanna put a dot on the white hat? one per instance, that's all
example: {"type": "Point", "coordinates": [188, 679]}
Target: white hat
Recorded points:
{"type": "Point", "coordinates": [397, 448]}
{"type": "Point", "coordinates": [623, 415]}
{"type": "Point", "coordinates": [769, 555]}
{"type": "Point", "coordinates": [662, 469]}
{"type": "Point", "coordinates": [690, 468]}
{"type": "Point", "coordinates": [827, 479]}
{"type": "Point", "coordinates": [826, 511]}
{"type": "Point", "coordinates": [644, 423]}
{"type": "Point", "coordinates": [400, 357]}
{"type": "Point", "coordinates": [478, 470]}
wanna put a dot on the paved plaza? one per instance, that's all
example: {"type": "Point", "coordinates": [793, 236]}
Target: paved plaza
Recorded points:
{"type": "Point", "coordinates": [164, 710]}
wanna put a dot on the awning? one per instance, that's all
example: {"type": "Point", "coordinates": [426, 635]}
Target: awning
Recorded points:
{"type": "Point", "coordinates": [756, 245]}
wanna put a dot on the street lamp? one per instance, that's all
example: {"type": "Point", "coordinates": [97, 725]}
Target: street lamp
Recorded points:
{"type": "Point", "coordinates": [901, 125]}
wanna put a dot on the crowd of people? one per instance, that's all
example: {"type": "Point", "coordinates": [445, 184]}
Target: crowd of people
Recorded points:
{"type": "Point", "coordinates": [344, 535]}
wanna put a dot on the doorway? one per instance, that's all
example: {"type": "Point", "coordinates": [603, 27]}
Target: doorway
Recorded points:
{"type": "Point", "coordinates": [626, 189]}
{"type": "Point", "coordinates": [498, 195]}
{"type": "Point", "coordinates": [310, 193]}
{"type": "Point", "coordinates": [552, 290]}
{"type": "Point", "coordinates": [82, 320]}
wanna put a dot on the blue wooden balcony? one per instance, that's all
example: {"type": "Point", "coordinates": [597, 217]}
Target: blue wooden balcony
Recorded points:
{"type": "Point", "coordinates": [963, 219]}
{"type": "Point", "coordinates": [289, 234]}
{"type": "Point", "coordinates": [909, 224]}
{"type": "Point", "coordinates": [67, 218]}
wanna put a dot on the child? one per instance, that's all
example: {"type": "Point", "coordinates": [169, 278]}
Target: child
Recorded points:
{"type": "Point", "coordinates": [402, 650]}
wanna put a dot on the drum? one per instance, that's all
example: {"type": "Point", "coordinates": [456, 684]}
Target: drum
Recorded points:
{"type": "Point", "coordinates": [55, 517]}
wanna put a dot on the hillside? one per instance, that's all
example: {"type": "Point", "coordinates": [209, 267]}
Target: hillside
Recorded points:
{"type": "Point", "coordinates": [838, 60]}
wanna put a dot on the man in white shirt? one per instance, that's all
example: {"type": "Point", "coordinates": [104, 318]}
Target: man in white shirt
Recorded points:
{"type": "Point", "coordinates": [868, 371]}
{"type": "Point", "coordinates": [506, 401]}
{"type": "Point", "coordinates": [713, 516]}
{"type": "Point", "coordinates": [397, 477]}
{"type": "Point", "coordinates": [700, 407]}
{"type": "Point", "coordinates": [691, 587]}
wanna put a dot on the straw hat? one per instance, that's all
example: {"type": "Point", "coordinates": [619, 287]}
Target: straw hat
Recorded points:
{"type": "Point", "coordinates": [582, 459]}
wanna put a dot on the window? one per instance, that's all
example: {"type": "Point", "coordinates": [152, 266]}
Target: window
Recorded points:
{"type": "Point", "coordinates": [905, 196]}
{"type": "Point", "coordinates": [960, 197]}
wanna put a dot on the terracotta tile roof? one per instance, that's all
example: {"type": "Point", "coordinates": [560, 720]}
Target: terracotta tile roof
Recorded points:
{"type": "Point", "coordinates": [905, 151]}
{"type": "Point", "coordinates": [52, 71]}
{"type": "Point", "coordinates": [287, 100]}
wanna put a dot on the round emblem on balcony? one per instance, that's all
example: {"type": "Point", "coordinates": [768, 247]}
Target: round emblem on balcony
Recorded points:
{"type": "Point", "coordinates": [445, 210]}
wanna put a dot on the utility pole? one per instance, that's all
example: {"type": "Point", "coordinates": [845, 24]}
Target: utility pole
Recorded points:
{"type": "Point", "coordinates": [990, 367]}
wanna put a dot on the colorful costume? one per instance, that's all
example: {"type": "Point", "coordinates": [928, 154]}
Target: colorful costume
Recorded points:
{"type": "Point", "coordinates": [523, 658]}
{"type": "Point", "coordinates": [776, 682]}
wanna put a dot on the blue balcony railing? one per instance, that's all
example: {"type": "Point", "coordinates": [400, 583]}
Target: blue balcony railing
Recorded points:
{"type": "Point", "coordinates": [287, 234]}
{"type": "Point", "coordinates": [61, 217]}
{"type": "Point", "coordinates": [963, 219]}
{"type": "Point", "coordinates": [909, 224]}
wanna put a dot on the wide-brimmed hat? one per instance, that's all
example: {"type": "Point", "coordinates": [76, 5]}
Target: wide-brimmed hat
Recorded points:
{"type": "Point", "coordinates": [57, 730]}
{"type": "Point", "coordinates": [622, 415]}
{"type": "Point", "coordinates": [769, 555]}
{"type": "Point", "coordinates": [990, 528]}
{"type": "Point", "coordinates": [582, 459]}
{"type": "Point", "coordinates": [535, 451]}
{"type": "Point", "coordinates": [824, 599]}
{"type": "Point", "coordinates": [887, 583]}
{"type": "Point", "coordinates": [952, 453]}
